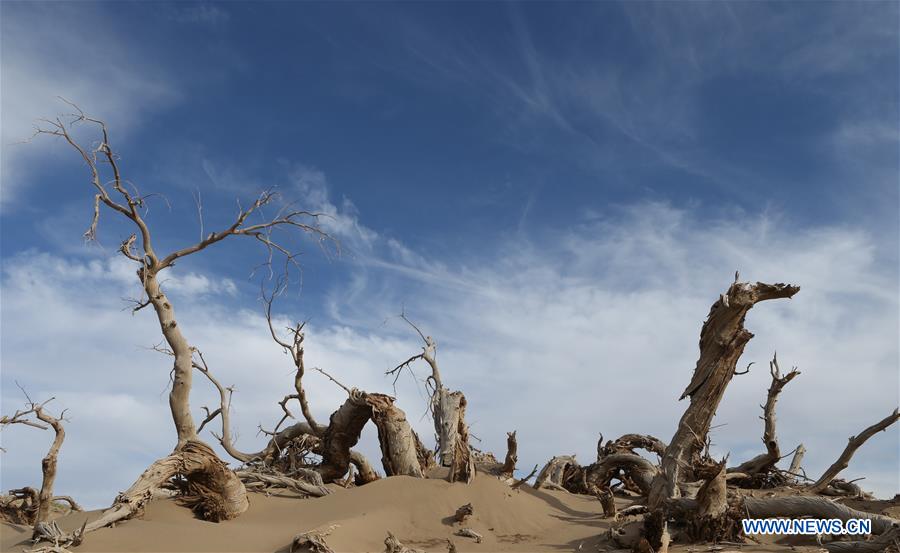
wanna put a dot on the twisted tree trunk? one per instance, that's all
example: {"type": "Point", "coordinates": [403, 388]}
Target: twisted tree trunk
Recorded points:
{"type": "Point", "coordinates": [722, 342]}
{"type": "Point", "coordinates": [48, 465]}
{"type": "Point", "coordinates": [399, 444]}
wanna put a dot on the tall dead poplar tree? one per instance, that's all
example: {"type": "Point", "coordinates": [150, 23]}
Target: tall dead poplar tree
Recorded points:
{"type": "Point", "coordinates": [218, 493]}
{"type": "Point", "coordinates": [722, 341]}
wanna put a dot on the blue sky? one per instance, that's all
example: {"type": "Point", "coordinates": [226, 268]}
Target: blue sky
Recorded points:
{"type": "Point", "coordinates": [556, 192]}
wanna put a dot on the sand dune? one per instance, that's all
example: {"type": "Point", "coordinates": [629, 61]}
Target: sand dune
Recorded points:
{"type": "Point", "coordinates": [418, 511]}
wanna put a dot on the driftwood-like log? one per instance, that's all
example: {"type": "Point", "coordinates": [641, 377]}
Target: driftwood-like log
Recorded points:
{"type": "Point", "coordinates": [393, 545]}
{"type": "Point", "coordinates": [722, 341]}
{"type": "Point", "coordinates": [885, 530]}
{"type": "Point", "coordinates": [463, 513]}
{"type": "Point", "coordinates": [765, 462]}
{"type": "Point", "coordinates": [855, 442]}
{"type": "Point", "coordinates": [469, 533]}
{"type": "Point", "coordinates": [312, 541]}
{"type": "Point", "coordinates": [815, 507]}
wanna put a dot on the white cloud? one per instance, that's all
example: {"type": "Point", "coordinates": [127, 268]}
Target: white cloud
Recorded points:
{"type": "Point", "coordinates": [594, 328]}
{"type": "Point", "coordinates": [87, 61]}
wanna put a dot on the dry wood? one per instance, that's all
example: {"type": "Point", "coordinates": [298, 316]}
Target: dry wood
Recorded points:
{"type": "Point", "coordinates": [399, 445]}
{"type": "Point", "coordinates": [633, 470]}
{"type": "Point", "coordinates": [812, 506]}
{"type": "Point", "coordinates": [795, 468]}
{"type": "Point", "coordinates": [854, 443]}
{"type": "Point", "coordinates": [26, 504]}
{"type": "Point", "coordinates": [463, 513]}
{"type": "Point", "coordinates": [49, 462]}
{"type": "Point", "coordinates": [722, 341]}
{"type": "Point", "coordinates": [448, 411]}
{"type": "Point", "coordinates": [469, 533]}
{"type": "Point", "coordinates": [307, 485]}
{"type": "Point", "coordinates": [462, 464]}
{"type": "Point", "coordinates": [608, 501]}
{"type": "Point", "coordinates": [509, 463]}
{"type": "Point", "coordinates": [212, 490]}
{"type": "Point", "coordinates": [113, 191]}
{"type": "Point", "coordinates": [553, 474]}
{"type": "Point", "coordinates": [713, 494]}
{"type": "Point", "coordinates": [765, 462]}
{"type": "Point", "coordinates": [628, 443]}
{"type": "Point", "coordinates": [312, 541]}
{"type": "Point", "coordinates": [393, 545]}
{"type": "Point", "coordinates": [518, 483]}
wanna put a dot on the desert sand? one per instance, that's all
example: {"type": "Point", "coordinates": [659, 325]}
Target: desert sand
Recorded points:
{"type": "Point", "coordinates": [418, 511]}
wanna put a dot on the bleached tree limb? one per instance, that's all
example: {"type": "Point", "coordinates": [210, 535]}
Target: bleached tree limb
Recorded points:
{"type": "Point", "coordinates": [843, 461]}
{"type": "Point", "coordinates": [765, 462]}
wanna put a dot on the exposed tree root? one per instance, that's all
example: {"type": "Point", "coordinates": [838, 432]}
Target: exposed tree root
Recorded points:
{"type": "Point", "coordinates": [213, 492]}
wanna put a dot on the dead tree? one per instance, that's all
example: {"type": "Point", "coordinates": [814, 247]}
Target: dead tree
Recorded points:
{"type": "Point", "coordinates": [759, 469]}
{"type": "Point", "coordinates": [854, 443]}
{"type": "Point", "coordinates": [722, 341]}
{"type": "Point", "coordinates": [448, 409]}
{"type": "Point", "coordinates": [207, 474]}
{"type": "Point", "coordinates": [27, 505]}
{"type": "Point", "coordinates": [402, 451]}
